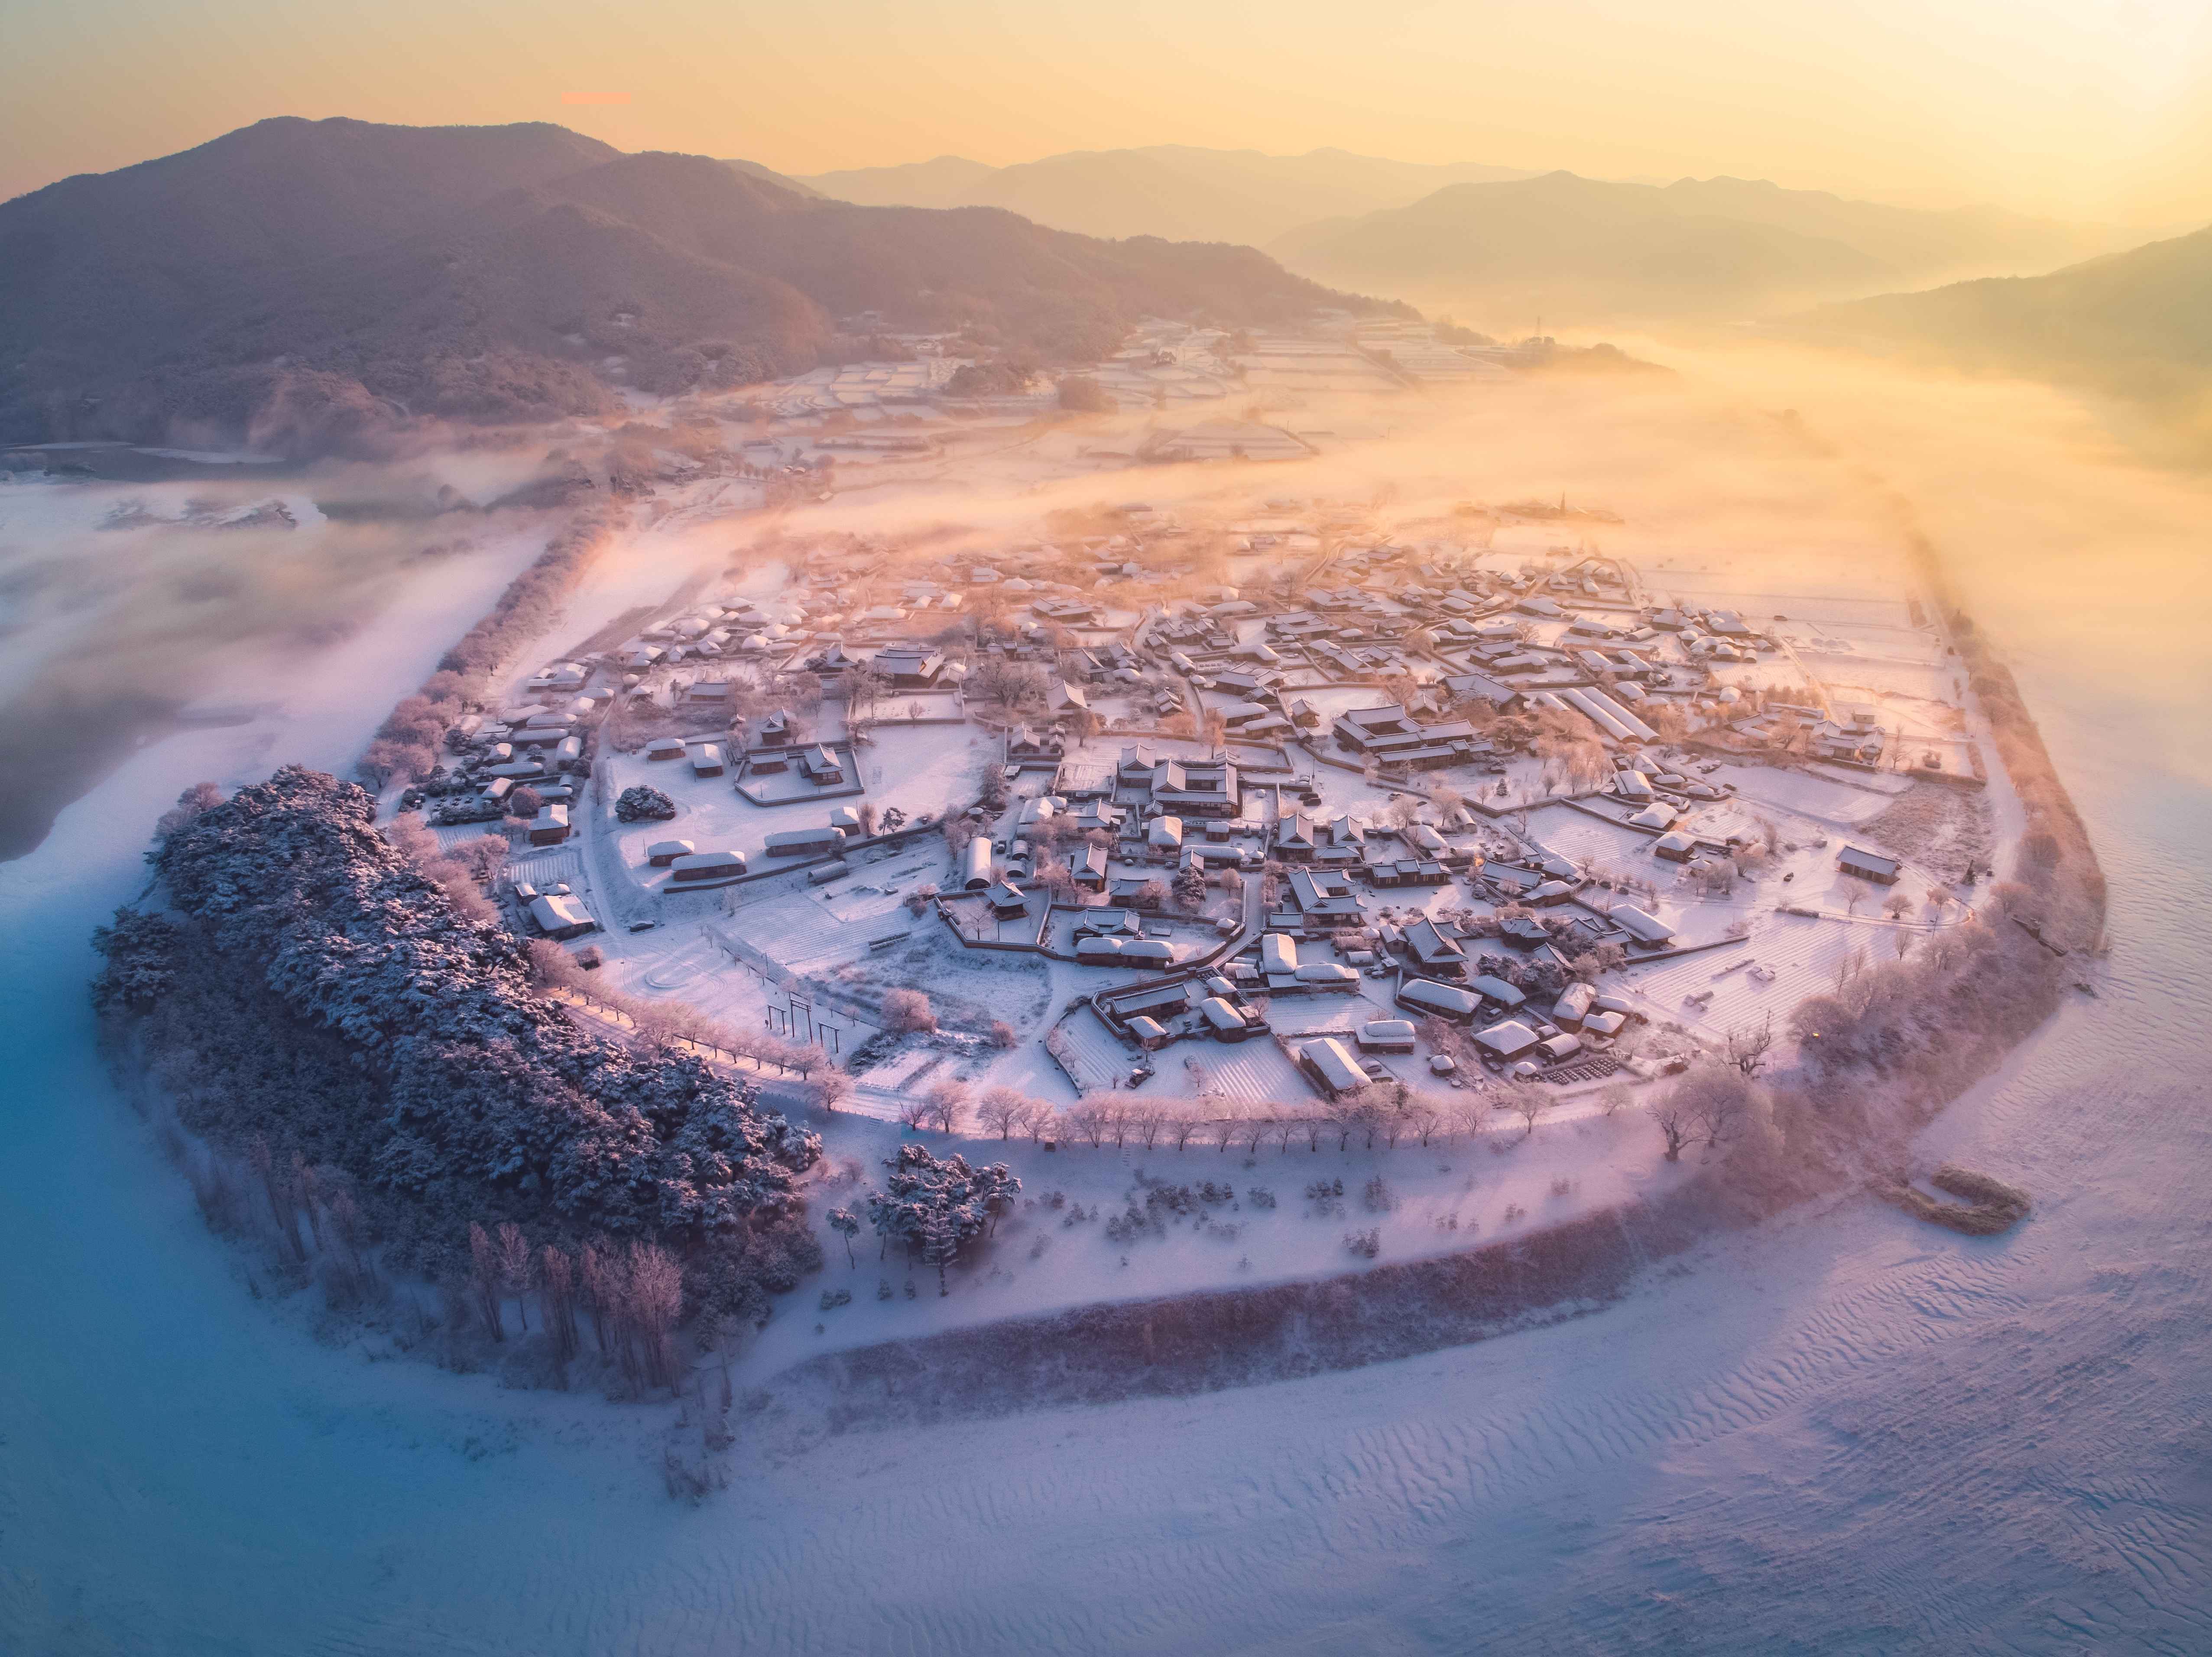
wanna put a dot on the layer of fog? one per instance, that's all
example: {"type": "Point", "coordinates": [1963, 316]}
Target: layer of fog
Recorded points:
{"type": "Point", "coordinates": [2070, 538]}
{"type": "Point", "coordinates": [124, 605]}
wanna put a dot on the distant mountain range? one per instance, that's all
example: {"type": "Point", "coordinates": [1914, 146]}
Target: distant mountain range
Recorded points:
{"type": "Point", "coordinates": [1576, 248]}
{"type": "Point", "coordinates": [2138, 323]}
{"type": "Point", "coordinates": [317, 281]}
{"type": "Point", "coordinates": [1165, 190]}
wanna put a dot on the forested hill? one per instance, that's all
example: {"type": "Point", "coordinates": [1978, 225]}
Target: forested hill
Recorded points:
{"type": "Point", "coordinates": [1563, 244]}
{"type": "Point", "coordinates": [2137, 323]}
{"type": "Point", "coordinates": [326, 278]}
{"type": "Point", "coordinates": [313, 993]}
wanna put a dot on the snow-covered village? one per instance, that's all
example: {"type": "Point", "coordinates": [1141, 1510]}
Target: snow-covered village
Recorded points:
{"type": "Point", "coordinates": [1227, 887]}
{"type": "Point", "coordinates": [974, 908]}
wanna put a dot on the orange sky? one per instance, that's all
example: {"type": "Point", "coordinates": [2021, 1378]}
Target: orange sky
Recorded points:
{"type": "Point", "coordinates": [2094, 109]}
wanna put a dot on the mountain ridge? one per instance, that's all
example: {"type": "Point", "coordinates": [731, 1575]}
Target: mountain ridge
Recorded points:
{"type": "Point", "coordinates": [1178, 190]}
{"type": "Point", "coordinates": [1695, 246]}
{"type": "Point", "coordinates": [314, 282]}
{"type": "Point", "coordinates": [2137, 323]}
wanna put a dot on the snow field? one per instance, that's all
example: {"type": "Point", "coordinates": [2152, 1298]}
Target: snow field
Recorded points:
{"type": "Point", "coordinates": [1451, 1196]}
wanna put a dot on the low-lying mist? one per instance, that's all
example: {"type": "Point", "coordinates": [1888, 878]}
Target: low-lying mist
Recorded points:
{"type": "Point", "coordinates": [124, 609]}
{"type": "Point", "coordinates": [2072, 537]}
{"type": "Point", "coordinates": [127, 605]}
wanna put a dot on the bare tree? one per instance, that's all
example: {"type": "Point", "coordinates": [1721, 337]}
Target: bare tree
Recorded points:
{"type": "Point", "coordinates": [484, 1280]}
{"type": "Point", "coordinates": [948, 1103]}
{"type": "Point", "coordinates": [1117, 1122]}
{"type": "Point", "coordinates": [1676, 1122]}
{"type": "Point", "coordinates": [514, 1270]}
{"type": "Point", "coordinates": [595, 1279]}
{"type": "Point", "coordinates": [1181, 1126]}
{"type": "Point", "coordinates": [999, 1108]}
{"type": "Point", "coordinates": [1722, 1109]}
{"type": "Point", "coordinates": [908, 1011]}
{"type": "Point", "coordinates": [1708, 1105]}
{"type": "Point", "coordinates": [1090, 1119]}
{"type": "Point", "coordinates": [654, 1030]}
{"type": "Point", "coordinates": [656, 1300]}
{"type": "Point", "coordinates": [1527, 1103]}
{"type": "Point", "coordinates": [833, 1088]}
{"type": "Point", "coordinates": [557, 1284]}
{"type": "Point", "coordinates": [1748, 1045]}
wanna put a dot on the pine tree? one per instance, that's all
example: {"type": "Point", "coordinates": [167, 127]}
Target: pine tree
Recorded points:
{"type": "Point", "coordinates": [940, 1243]}
{"type": "Point", "coordinates": [846, 1224]}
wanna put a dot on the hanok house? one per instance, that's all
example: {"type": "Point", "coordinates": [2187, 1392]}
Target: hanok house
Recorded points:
{"type": "Point", "coordinates": [1196, 787]}
{"type": "Point", "coordinates": [662, 853]}
{"type": "Point", "coordinates": [1391, 736]}
{"type": "Point", "coordinates": [772, 730]}
{"type": "Point", "coordinates": [550, 826]}
{"type": "Point", "coordinates": [909, 667]}
{"type": "Point", "coordinates": [1481, 687]}
{"type": "Point", "coordinates": [1089, 868]}
{"type": "Point", "coordinates": [1027, 745]}
{"type": "Point", "coordinates": [1338, 842]}
{"type": "Point", "coordinates": [1642, 928]}
{"type": "Point", "coordinates": [822, 767]}
{"type": "Point", "coordinates": [1868, 865]}
{"type": "Point", "coordinates": [709, 694]}
{"type": "Point", "coordinates": [1854, 737]}
{"type": "Point", "coordinates": [1434, 955]}
{"type": "Point", "coordinates": [1384, 868]}
{"type": "Point", "coordinates": [1226, 1021]}
{"type": "Point", "coordinates": [1136, 892]}
{"type": "Point", "coordinates": [1325, 899]}
{"type": "Point", "coordinates": [708, 762]}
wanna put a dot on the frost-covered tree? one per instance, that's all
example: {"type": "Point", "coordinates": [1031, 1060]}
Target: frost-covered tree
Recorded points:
{"type": "Point", "coordinates": [847, 1224]}
{"type": "Point", "coordinates": [641, 804]}
{"type": "Point", "coordinates": [926, 1197]}
{"type": "Point", "coordinates": [317, 987]}
{"type": "Point", "coordinates": [908, 1012]}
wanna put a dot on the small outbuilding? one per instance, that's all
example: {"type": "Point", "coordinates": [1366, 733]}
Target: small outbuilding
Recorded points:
{"type": "Point", "coordinates": [707, 865]}
{"type": "Point", "coordinates": [1868, 865]}
{"type": "Point", "coordinates": [1386, 1036]}
{"type": "Point", "coordinates": [975, 863]}
{"type": "Point", "coordinates": [1506, 1041]}
{"type": "Point", "coordinates": [561, 918]}
{"type": "Point", "coordinates": [1331, 1067]}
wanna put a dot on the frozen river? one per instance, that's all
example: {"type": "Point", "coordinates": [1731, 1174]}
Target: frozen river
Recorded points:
{"type": "Point", "coordinates": [1846, 1432]}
